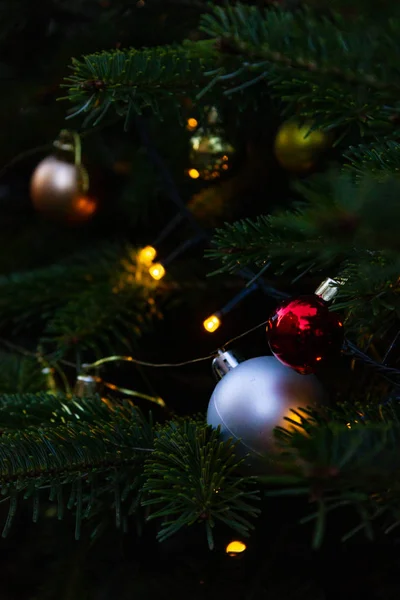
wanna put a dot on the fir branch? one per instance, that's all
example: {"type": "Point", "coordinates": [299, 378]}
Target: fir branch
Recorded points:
{"type": "Point", "coordinates": [370, 297]}
{"type": "Point", "coordinates": [94, 452]}
{"type": "Point", "coordinates": [338, 227]}
{"type": "Point", "coordinates": [247, 31]}
{"type": "Point", "coordinates": [20, 374]}
{"type": "Point", "coordinates": [320, 67]}
{"type": "Point", "coordinates": [379, 159]}
{"type": "Point", "coordinates": [338, 465]}
{"type": "Point", "coordinates": [97, 300]}
{"type": "Point", "coordinates": [196, 482]}
{"type": "Point", "coordinates": [337, 220]}
{"type": "Point", "coordinates": [82, 447]}
{"type": "Point", "coordinates": [130, 80]}
{"type": "Point", "coordinates": [57, 436]}
{"type": "Point", "coordinates": [20, 411]}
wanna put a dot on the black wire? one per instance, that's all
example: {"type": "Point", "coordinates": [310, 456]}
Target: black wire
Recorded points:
{"type": "Point", "coordinates": [174, 195]}
{"type": "Point", "coordinates": [388, 372]}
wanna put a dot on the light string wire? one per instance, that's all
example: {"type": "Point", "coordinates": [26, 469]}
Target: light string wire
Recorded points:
{"type": "Point", "coordinates": [254, 281]}
{"type": "Point", "coordinates": [252, 278]}
{"type": "Point", "coordinates": [183, 247]}
{"type": "Point", "coordinates": [183, 214]}
{"type": "Point", "coordinates": [390, 373]}
{"type": "Point", "coordinates": [47, 363]}
{"type": "Point", "coordinates": [348, 348]}
{"type": "Point", "coordinates": [111, 386]}
{"type": "Point", "coordinates": [128, 392]}
{"type": "Point", "coordinates": [117, 358]}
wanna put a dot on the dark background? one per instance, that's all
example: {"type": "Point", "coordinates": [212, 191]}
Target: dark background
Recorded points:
{"type": "Point", "coordinates": [37, 41]}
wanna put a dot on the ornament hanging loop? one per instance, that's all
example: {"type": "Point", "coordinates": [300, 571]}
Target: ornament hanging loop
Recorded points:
{"type": "Point", "coordinates": [69, 142]}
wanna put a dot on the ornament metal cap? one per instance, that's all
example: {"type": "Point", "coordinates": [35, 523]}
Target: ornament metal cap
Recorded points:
{"type": "Point", "coordinates": [65, 141]}
{"type": "Point", "coordinates": [225, 362]}
{"type": "Point", "coordinates": [328, 289]}
{"type": "Point", "coordinates": [86, 386]}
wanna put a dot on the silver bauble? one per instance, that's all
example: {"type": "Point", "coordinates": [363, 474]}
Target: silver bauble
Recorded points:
{"type": "Point", "coordinates": [58, 189]}
{"type": "Point", "coordinates": [253, 397]}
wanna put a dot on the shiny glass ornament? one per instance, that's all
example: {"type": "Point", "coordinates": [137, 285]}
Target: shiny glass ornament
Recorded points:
{"type": "Point", "coordinates": [254, 396]}
{"type": "Point", "coordinates": [304, 334]}
{"type": "Point", "coordinates": [58, 191]}
{"type": "Point", "coordinates": [297, 149]}
{"type": "Point", "coordinates": [210, 154]}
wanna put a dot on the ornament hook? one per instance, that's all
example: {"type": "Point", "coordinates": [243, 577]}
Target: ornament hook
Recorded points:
{"type": "Point", "coordinates": [70, 141]}
{"type": "Point", "coordinates": [224, 362]}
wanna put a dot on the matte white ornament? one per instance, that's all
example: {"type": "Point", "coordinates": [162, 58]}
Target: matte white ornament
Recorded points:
{"type": "Point", "coordinates": [253, 397]}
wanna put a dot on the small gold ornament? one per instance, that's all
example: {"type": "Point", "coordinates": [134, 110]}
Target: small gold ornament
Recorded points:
{"type": "Point", "coordinates": [210, 155]}
{"type": "Point", "coordinates": [297, 149]}
{"type": "Point", "coordinates": [59, 183]}
{"type": "Point", "coordinates": [210, 152]}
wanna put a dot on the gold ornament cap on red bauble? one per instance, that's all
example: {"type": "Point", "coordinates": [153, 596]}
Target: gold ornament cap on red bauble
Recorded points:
{"type": "Point", "coordinates": [59, 184]}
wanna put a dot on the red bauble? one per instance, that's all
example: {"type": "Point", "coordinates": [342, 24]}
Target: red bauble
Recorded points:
{"type": "Point", "coordinates": [303, 333]}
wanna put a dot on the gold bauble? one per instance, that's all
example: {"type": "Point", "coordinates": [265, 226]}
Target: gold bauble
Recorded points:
{"type": "Point", "coordinates": [58, 191]}
{"type": "Point", "coordinates": [210, 154]}
{"type": "Point", "coordinates": [297, 149]}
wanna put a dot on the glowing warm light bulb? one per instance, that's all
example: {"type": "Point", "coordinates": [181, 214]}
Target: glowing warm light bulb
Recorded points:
{"type": "Point", "coordinates": [193, 173]}
{"type": "Point", "coordinates": [82, 209]}
{"type": "Point", "coordinates": [86, 206]}
{"type": "Point", "coordinates": [191, 124]}
{"type": "Point", "coordinates": [147, 255]}
{"type": "Point", "coordinates": [157, 271]}
{"type": "Point", "coordinates": [235, 547]}
{"type": "Point", "coordinates": [212, 323]}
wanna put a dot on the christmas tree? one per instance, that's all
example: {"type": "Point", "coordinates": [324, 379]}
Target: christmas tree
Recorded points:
{"type": "Point", "coordinates": [199, 180]}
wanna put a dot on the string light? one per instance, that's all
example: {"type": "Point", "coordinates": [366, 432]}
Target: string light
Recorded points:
{"type": "Point", "coordinates": [85, 207]}
{"type": "Point", "coordinates": [191, 124]}
{"type": "Point", "coordinates": [147, 255]}
{"type": "Point", "coordinates": [212, 323]}
{"type": "Point", "coordinates": [193, 173]}
{"type": "Point", "coordinates": [157, 271]}
{"type": "Point", "coordinates": [235, 547]}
